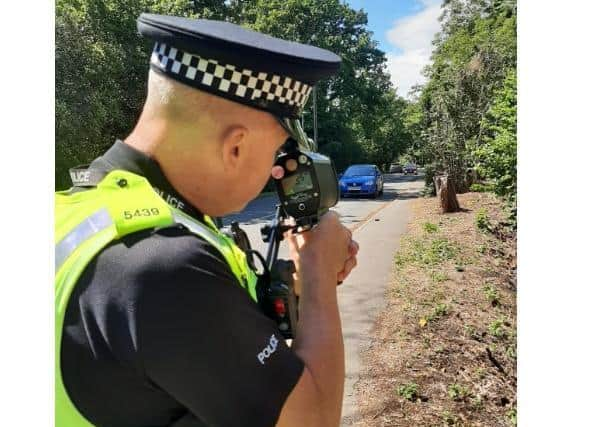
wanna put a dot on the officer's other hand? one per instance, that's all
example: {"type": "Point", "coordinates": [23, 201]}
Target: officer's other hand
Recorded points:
{"type": "Point", "coordinates": [326, 254]}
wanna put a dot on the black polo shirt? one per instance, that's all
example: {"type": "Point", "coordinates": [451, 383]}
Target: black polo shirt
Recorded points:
{"type": "Point", "coordinates": [158, 331]}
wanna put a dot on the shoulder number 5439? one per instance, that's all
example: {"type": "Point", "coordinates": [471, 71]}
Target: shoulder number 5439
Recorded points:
{"type": "Point", "coordinates": [140, 213]}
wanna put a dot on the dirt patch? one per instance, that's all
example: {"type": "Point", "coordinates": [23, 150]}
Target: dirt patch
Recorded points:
{"type": "Point", "coordinates": [444, 349]}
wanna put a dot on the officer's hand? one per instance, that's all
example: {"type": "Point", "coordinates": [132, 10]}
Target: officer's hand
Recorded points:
{"type": "Point", "coordinates": [326, 254]}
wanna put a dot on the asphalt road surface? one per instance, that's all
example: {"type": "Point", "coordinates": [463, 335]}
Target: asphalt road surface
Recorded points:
{"type": "Point", "coordinates": [354, 211]}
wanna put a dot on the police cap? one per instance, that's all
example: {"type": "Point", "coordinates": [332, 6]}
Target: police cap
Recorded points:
{"type": "Point", "coordinates": [238, 64]}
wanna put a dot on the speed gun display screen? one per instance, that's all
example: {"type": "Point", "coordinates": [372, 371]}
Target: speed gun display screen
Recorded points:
{"type": "Point", "coordinates": [297, 183]}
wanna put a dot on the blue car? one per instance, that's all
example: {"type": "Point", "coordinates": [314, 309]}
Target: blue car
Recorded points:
{"type": "Point", "coordinates": [361, 180]}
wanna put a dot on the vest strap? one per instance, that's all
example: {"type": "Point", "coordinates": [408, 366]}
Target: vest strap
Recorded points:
{"type": "Point", "coordinates": [197, 228]}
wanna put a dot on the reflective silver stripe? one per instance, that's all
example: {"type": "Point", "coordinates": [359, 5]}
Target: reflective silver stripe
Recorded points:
{"type": "Point", "coordinates": [198, 229]}
{"type": "Point", "coordinates": [81, 233]}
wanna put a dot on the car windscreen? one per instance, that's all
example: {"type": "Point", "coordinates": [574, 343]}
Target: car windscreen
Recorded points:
{"type": "Point", "coordinates": [359, 171]}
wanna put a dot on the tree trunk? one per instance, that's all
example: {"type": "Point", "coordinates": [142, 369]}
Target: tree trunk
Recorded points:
{"type": "Point", "coordinates": [446, 193]}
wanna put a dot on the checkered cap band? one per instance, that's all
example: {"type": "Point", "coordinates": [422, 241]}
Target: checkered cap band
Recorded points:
{"type": "Point", "coordinates": [279, 94]}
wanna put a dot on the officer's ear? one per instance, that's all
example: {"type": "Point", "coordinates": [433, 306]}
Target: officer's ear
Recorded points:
{"type": "Point", "coordinates": [234, 147]}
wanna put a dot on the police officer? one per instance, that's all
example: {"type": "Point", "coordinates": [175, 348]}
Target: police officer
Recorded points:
{"type": "Point", "coordinates": [156, 316]}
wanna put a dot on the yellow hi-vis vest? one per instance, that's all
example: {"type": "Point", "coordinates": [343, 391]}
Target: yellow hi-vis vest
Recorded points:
{"type": "Point", "coordinates": [87, 221]}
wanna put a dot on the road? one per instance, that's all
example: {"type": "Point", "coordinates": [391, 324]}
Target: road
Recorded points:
{"type": "Point", "coordinates": [354, 211]}
{"type": "Point", "coordinates": [377, 226]}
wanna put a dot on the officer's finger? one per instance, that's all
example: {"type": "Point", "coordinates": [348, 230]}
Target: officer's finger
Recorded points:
{"type": "Point", "coordinates": [350, 264]}
{"type": "Point", "coordinates": [354, 247]}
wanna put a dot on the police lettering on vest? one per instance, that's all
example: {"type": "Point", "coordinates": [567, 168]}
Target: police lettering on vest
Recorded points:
{"type": "Point", "coordinates": [80, 176]}
{"type": "Point", "coordinates": [268, 350]}
{"type": "Point", "coordinates": [171, 200]}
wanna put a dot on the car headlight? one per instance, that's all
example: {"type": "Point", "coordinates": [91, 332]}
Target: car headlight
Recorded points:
{"type": "Point", "coordinates": [369, 183]}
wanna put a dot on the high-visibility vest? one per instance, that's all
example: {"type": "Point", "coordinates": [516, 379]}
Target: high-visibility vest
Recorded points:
{"type": "Point", "coordinates": [87, 221]}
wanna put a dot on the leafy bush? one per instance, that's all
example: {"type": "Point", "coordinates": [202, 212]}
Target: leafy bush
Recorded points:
{"type": "Point", "coordinates": [513, 416]}
{"type": "Point", "coordinates": [440, 310]}
{"type": "Point", "coordinates": [481, 188]}
{"type": "Point", "coordinates": [408, 391]}
{"type": "Point", "coordinates": [496, 328]}
{"type": "Point", "coordinates": [497, 157]}
{"type": "Point", "coordinates": [492, 294]}
{"type": "Point", "coordinates": [482, 220]}
{"type": "Point", "coordinates": [428, 227]}
{"type": "Point", "coordinates": [457, 392]}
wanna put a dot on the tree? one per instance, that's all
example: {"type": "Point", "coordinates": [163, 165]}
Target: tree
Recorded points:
{"type": "Point", "coordinates": [473, 53]}
{"type": "Point", "coordinates": [101, 70]}
{"type": "Point", "coordinates": [359, 114]}
{"type": "Point", "coordinates": [496, 155]}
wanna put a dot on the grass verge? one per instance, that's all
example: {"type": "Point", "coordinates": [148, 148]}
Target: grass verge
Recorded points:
{"type": "Point", "coordinates": [444, 348]}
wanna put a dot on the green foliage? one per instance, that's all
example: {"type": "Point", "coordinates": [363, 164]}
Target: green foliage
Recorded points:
{"type": "Point", "coordinates": [429, 174]}
{"type": "Point", "coordinates": [492, 294]}
{"type": "Point", "coordinates": [511, 351]}
{"type": "Point", "coordinates": [428, 227]}
{"type": "Point", "coordinates": [440, 249]}
{"type": "Point", "coordinates": [408, 391]}
{"type": "Point", "coordinates": [481, 188]}
{"type": "Point", "coordinates": [482, 220]}
{"type": "Point", "coordinates": [496, 155]}
{"type": "Point", "coordinates": [496, 328]}
{"type": "Point", "coordinates": [471, 331]}
{"type": "Point", "coordinates": [450, 124]}
{"type": "Point", "coordinates": [438, 276]}
{"type": "Point", "coordinates": [450, 419]}
{"type": "Point", "coordinates": [477, 403]}
{"type": "Point", "coordinates": [101, 70]}
{"type": "Point", "coordinates": [472, 56]}
{"type": "Point", "coordinates": [102, 65]}
{"type": "Point", "coordinates": [427, 253]}
{"type": "Point", "coordinates": [439, 311]}
{"type": "Point", "coordinates": [458, 392]}
{"type": "Point", "coordinates": [513, 416]}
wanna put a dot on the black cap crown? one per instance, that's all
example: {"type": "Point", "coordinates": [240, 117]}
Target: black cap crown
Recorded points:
{"type": "Point", "coordinates": [241, 65]}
